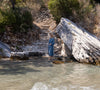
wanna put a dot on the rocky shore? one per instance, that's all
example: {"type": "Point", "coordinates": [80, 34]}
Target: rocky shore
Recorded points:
{"type": "Point", "coordinates": [71, 43]}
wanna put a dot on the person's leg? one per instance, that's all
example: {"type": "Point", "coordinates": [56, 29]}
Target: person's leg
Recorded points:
{"type": "Point", "coordinates": [49, 58]}
{"type": "Point", "coordinates": [50, 51]}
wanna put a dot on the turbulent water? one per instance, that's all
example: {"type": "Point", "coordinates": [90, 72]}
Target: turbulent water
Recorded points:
{"type": "Point", "coordinates": [39, 74]}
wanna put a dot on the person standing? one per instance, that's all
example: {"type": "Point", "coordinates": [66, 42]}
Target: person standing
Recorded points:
{"type": "Point", "coordinates": [51, 46]}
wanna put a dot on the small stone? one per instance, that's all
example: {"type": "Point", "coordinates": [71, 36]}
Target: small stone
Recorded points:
{"type": "Point", "coordinates": [58, 62]}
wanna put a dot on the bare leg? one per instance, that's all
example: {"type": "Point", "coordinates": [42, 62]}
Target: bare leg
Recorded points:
{"type": "Point", "coordinates": [49, 58]}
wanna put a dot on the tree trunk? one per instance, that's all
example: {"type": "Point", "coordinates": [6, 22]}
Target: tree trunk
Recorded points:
{"type": "Point", "coordinates": [84, 46]}
{"type": "Point", "coordinates": [13, 2]}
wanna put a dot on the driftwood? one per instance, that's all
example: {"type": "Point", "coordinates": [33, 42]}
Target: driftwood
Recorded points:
{"type": "Point", "coordinates": [25, 55]}
{"type": "Point", "coordinates": [19, 55]}
{"type": "Point", "coordinates": [84, 46]}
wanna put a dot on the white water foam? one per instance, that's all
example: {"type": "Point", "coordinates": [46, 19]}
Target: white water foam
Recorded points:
{"type": "Point", "coordinates": [42, 86]}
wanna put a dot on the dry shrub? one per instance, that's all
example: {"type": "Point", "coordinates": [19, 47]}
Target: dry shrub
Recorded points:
{"type": "Point", "coordinates": [35, 5]}
{"type": "Point", "coordinates": [97, 29]}
{"type": "Point", "coordinates": [87, 16]}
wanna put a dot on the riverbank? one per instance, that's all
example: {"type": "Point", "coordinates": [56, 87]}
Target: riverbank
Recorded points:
{"type": "Point", "coordinates": [55, 60]}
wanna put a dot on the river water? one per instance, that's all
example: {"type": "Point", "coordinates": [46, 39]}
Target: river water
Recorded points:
{"type": "Point", "coordinates": [39, 74]}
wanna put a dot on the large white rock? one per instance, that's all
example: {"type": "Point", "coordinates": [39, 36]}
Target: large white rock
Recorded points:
{"type": "Point", "coordinates": [84, 46]}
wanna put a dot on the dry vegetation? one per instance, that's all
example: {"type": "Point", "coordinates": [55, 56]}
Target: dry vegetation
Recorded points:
{"type": "Point", "coordinates": [97, 29]}
{"type": "Point", "coordinates": [92, 19]}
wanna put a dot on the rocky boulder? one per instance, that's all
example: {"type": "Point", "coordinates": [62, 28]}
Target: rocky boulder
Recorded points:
{"type": "Point", "coordinates": [4, 50]}
{"type": "Point", "coordinates": [84, 46]}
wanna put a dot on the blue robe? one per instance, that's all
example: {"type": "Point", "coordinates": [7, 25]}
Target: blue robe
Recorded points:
{"type": "Point", "coordinates": [50, 47]}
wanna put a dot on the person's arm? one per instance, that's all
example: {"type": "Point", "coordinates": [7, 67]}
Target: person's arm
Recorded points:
{"type": "Point", "coordinates": [53, 42]}
{"type": "Point", "coordinates": [50, 42]}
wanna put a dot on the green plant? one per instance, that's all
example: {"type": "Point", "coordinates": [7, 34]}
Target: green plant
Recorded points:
{"type": "Point", "coordinates": [27, 18]}
{"type": "Point", "coordinates": [1, 23]}
{"type": "Point", "coordinates": [70, 8]}
{"type": "Point", "coordinates": [6, 19]}
{"type": "Point", "coordinates": [82, 12]}
{"type": "Point", "coordinates": [19, 20]}
{"type": "Point", "coordinates": [63, 8]}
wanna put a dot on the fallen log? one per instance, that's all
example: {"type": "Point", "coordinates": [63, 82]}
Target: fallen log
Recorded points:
{"type": "Point", "coordinates": [84, 47]}
{"type": "Point", "coordinates": [25, 55]}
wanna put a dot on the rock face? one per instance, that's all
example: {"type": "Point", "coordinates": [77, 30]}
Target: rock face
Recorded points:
{"type": "Point", "coordinates": [84, 46]}
{"type": "Point", "coordinates": [4, 50]}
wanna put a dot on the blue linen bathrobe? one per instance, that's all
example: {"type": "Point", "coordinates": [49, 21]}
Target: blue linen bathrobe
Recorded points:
{"type": "Point", "coordinates": [50, 46]}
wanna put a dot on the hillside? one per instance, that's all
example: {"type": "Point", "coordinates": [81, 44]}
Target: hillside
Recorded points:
{"type": "Point", "coordinates": [40, 15]}
{"type": "Point", "coordinates": [42, 19]}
